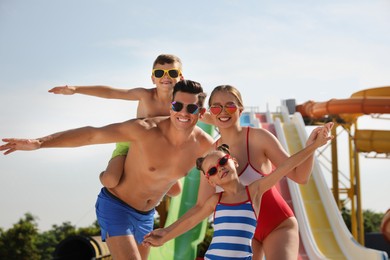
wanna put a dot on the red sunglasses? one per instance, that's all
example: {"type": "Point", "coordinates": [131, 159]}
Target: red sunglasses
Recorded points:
{"type": "Point", "coordinates": [221, 162]}
{"type": "Point", "coordinates": [230, 108]}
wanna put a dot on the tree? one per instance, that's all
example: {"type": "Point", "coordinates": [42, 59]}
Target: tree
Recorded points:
{"type": "Point", "coordinates": [372, 220]}
{"type": "Point", "coordinates": [19, 242]}
{"type": "Point", "coordinates": [24, 242]}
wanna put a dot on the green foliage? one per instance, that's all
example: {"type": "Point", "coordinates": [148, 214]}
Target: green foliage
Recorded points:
{"type": "Point", "coordinates": [202, 247]}
{"type": "Point", "coordinates": [23, 242]}
{"type": "Point", "coordinates": [372, 220]}
{"type": "Point", "coordinates": [20, 241]}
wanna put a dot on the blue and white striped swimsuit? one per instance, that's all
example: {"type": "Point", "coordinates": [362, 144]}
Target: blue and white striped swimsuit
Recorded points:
{"type": "Point", "coordinates": [234, 227]}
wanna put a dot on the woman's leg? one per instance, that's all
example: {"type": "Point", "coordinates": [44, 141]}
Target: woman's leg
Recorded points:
{"type": "Point", "coordinates": [283, 241]}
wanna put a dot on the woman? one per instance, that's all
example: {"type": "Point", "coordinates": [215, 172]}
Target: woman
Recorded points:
{"type": "Point", "coordinates": [258, 152]}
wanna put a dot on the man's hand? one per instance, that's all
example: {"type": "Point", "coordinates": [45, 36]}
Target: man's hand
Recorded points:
{"type": "Point", "coordinates": [65, 90]}
{"type": "Point", "coordinates": [13, 144]}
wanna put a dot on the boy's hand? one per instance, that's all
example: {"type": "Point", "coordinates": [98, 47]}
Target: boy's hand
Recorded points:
{"type": "Point", "coordinates": [13, 144]}
{"type": "Point", "coordinates": [65, 90]}
{"type": "Point", "coordinates": [154, 238]}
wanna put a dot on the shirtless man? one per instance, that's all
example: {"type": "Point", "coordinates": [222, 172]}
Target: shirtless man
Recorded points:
{"type": "Point", "coordinates": [163, 150]}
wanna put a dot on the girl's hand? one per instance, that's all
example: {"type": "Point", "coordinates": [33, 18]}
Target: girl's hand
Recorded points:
{"type": "Point", "coordinates": [155, 238]}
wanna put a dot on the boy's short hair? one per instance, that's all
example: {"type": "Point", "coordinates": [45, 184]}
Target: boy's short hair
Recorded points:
{"type": "Point", "coordinates": [167, 59]}
{"type": "Point", "coordinates": [192, 87]}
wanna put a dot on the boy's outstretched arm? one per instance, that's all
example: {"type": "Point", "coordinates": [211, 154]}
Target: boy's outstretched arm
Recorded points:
{"type": "Point", "coordinates": [100, 91]}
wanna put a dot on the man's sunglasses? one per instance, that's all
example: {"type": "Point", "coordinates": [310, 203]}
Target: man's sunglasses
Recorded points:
{"type": "Point", "coordinates": [191, 108]}
{"type": "Point", "coordinates": [159, 73]}
{"type": "Point", "coordinates": [230, 108]}
{"type": "Point", "coordinates": [221, 162]}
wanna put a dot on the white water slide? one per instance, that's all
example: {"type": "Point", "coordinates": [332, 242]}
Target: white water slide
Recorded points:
{"type": "Point", "coordinates": [323, 233]}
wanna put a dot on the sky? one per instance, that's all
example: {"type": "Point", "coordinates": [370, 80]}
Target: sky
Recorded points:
{"type": "Point", "coordinates": [269, 50]}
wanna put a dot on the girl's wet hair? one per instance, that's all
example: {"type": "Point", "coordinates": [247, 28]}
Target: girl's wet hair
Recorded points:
{"type": "Point", "coordinates": [199, 162]}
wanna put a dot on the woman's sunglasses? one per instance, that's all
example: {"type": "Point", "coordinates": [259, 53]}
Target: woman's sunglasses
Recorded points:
{"type": "Point", "coordinates": [221, 162]}
{"type": "Point", "coordinates": [230, 108]}
{"type": "Point", "coordinates": [191, 108]}
{"type": "Point", "coordinates": [172, 73]}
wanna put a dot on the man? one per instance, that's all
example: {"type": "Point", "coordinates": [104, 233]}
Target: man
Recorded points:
{"type": "Point", "coordinates": [164, 149]}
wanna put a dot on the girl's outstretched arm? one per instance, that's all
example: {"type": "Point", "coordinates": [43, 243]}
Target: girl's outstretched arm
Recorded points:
{"type": "Point", "coordinates": [159, 236]}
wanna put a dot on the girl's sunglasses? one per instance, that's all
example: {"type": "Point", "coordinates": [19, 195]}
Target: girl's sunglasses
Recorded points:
{"type": "Point", "coordinates": [230, 108]}
{"type": "Point", "coordinates": [172, 73]}
{"type": "Point", "coordinates": [221, 162]}
{"type": "Point", "coordinates": [191, 108]}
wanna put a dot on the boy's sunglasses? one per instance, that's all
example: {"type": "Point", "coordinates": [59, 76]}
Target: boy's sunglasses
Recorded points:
{"type": "Point", "coordinates": [221, 162]}
{"type": "Point", "coordinates": [191, 108]}
{"type": "Point", "coordinates": [217, 109]}
{"type": "Point", "coordinates": [172, 73]}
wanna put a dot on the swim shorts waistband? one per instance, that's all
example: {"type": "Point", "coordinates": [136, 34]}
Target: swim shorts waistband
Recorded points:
{"type": "Point", "coordinates": [121, 201]}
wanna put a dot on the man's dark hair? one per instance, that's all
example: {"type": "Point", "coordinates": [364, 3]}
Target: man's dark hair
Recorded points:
{"type": "Point", "coordinates": [192, 87]}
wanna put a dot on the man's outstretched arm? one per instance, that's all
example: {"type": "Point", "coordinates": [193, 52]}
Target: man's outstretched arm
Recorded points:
{"type": "Point", "coordinates": [75, 137]}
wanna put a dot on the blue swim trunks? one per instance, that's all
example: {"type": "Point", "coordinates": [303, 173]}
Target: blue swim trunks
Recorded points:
{"type": "Point", "coordinates": [116, 218]}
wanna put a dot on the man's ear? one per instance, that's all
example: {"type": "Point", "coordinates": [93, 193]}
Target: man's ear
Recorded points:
{"type": "Point", "coordinates": [153, 80]}
{"type": "Point", "coordinates": [201, 112]}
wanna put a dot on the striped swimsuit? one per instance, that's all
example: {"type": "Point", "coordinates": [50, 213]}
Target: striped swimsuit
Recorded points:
{"type": "Point", "coordinates": [234, 227]}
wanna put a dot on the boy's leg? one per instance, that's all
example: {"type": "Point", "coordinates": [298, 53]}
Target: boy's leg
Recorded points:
{"type": "Point", "coordinates": [113, 173]}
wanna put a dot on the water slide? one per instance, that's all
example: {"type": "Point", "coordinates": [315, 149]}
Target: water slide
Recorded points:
{"type": "Point", "coordinates": [323, 233]}
{"type": "Point", "coordinates": [184, 246]}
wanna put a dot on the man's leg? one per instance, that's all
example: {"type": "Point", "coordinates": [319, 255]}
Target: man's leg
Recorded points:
{"type": "Point", "coordinates": [144, 251]}
{"type": "Point", "coordinates": [124, 248]}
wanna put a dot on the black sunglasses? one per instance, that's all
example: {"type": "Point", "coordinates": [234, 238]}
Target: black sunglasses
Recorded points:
{"type": "Point", "coordinates": [221, 162]}
{"type": "Point", "coordinates": [172, 73]}
{"type": "Point", "coordinates": [191, 108]}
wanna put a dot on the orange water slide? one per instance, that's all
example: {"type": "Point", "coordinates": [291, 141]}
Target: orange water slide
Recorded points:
{"type": "Point", "coordinates": [364, 102]}
{"type": "Point", "coordinates": [369, 101]}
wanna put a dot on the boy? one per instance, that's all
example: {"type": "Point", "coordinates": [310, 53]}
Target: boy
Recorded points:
{"type": "Point", "coordinates": [166, 72]}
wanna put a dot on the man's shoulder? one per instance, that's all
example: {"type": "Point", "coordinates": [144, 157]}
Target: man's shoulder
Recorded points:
{"type": "Point", "coordinates": [202, 135]}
